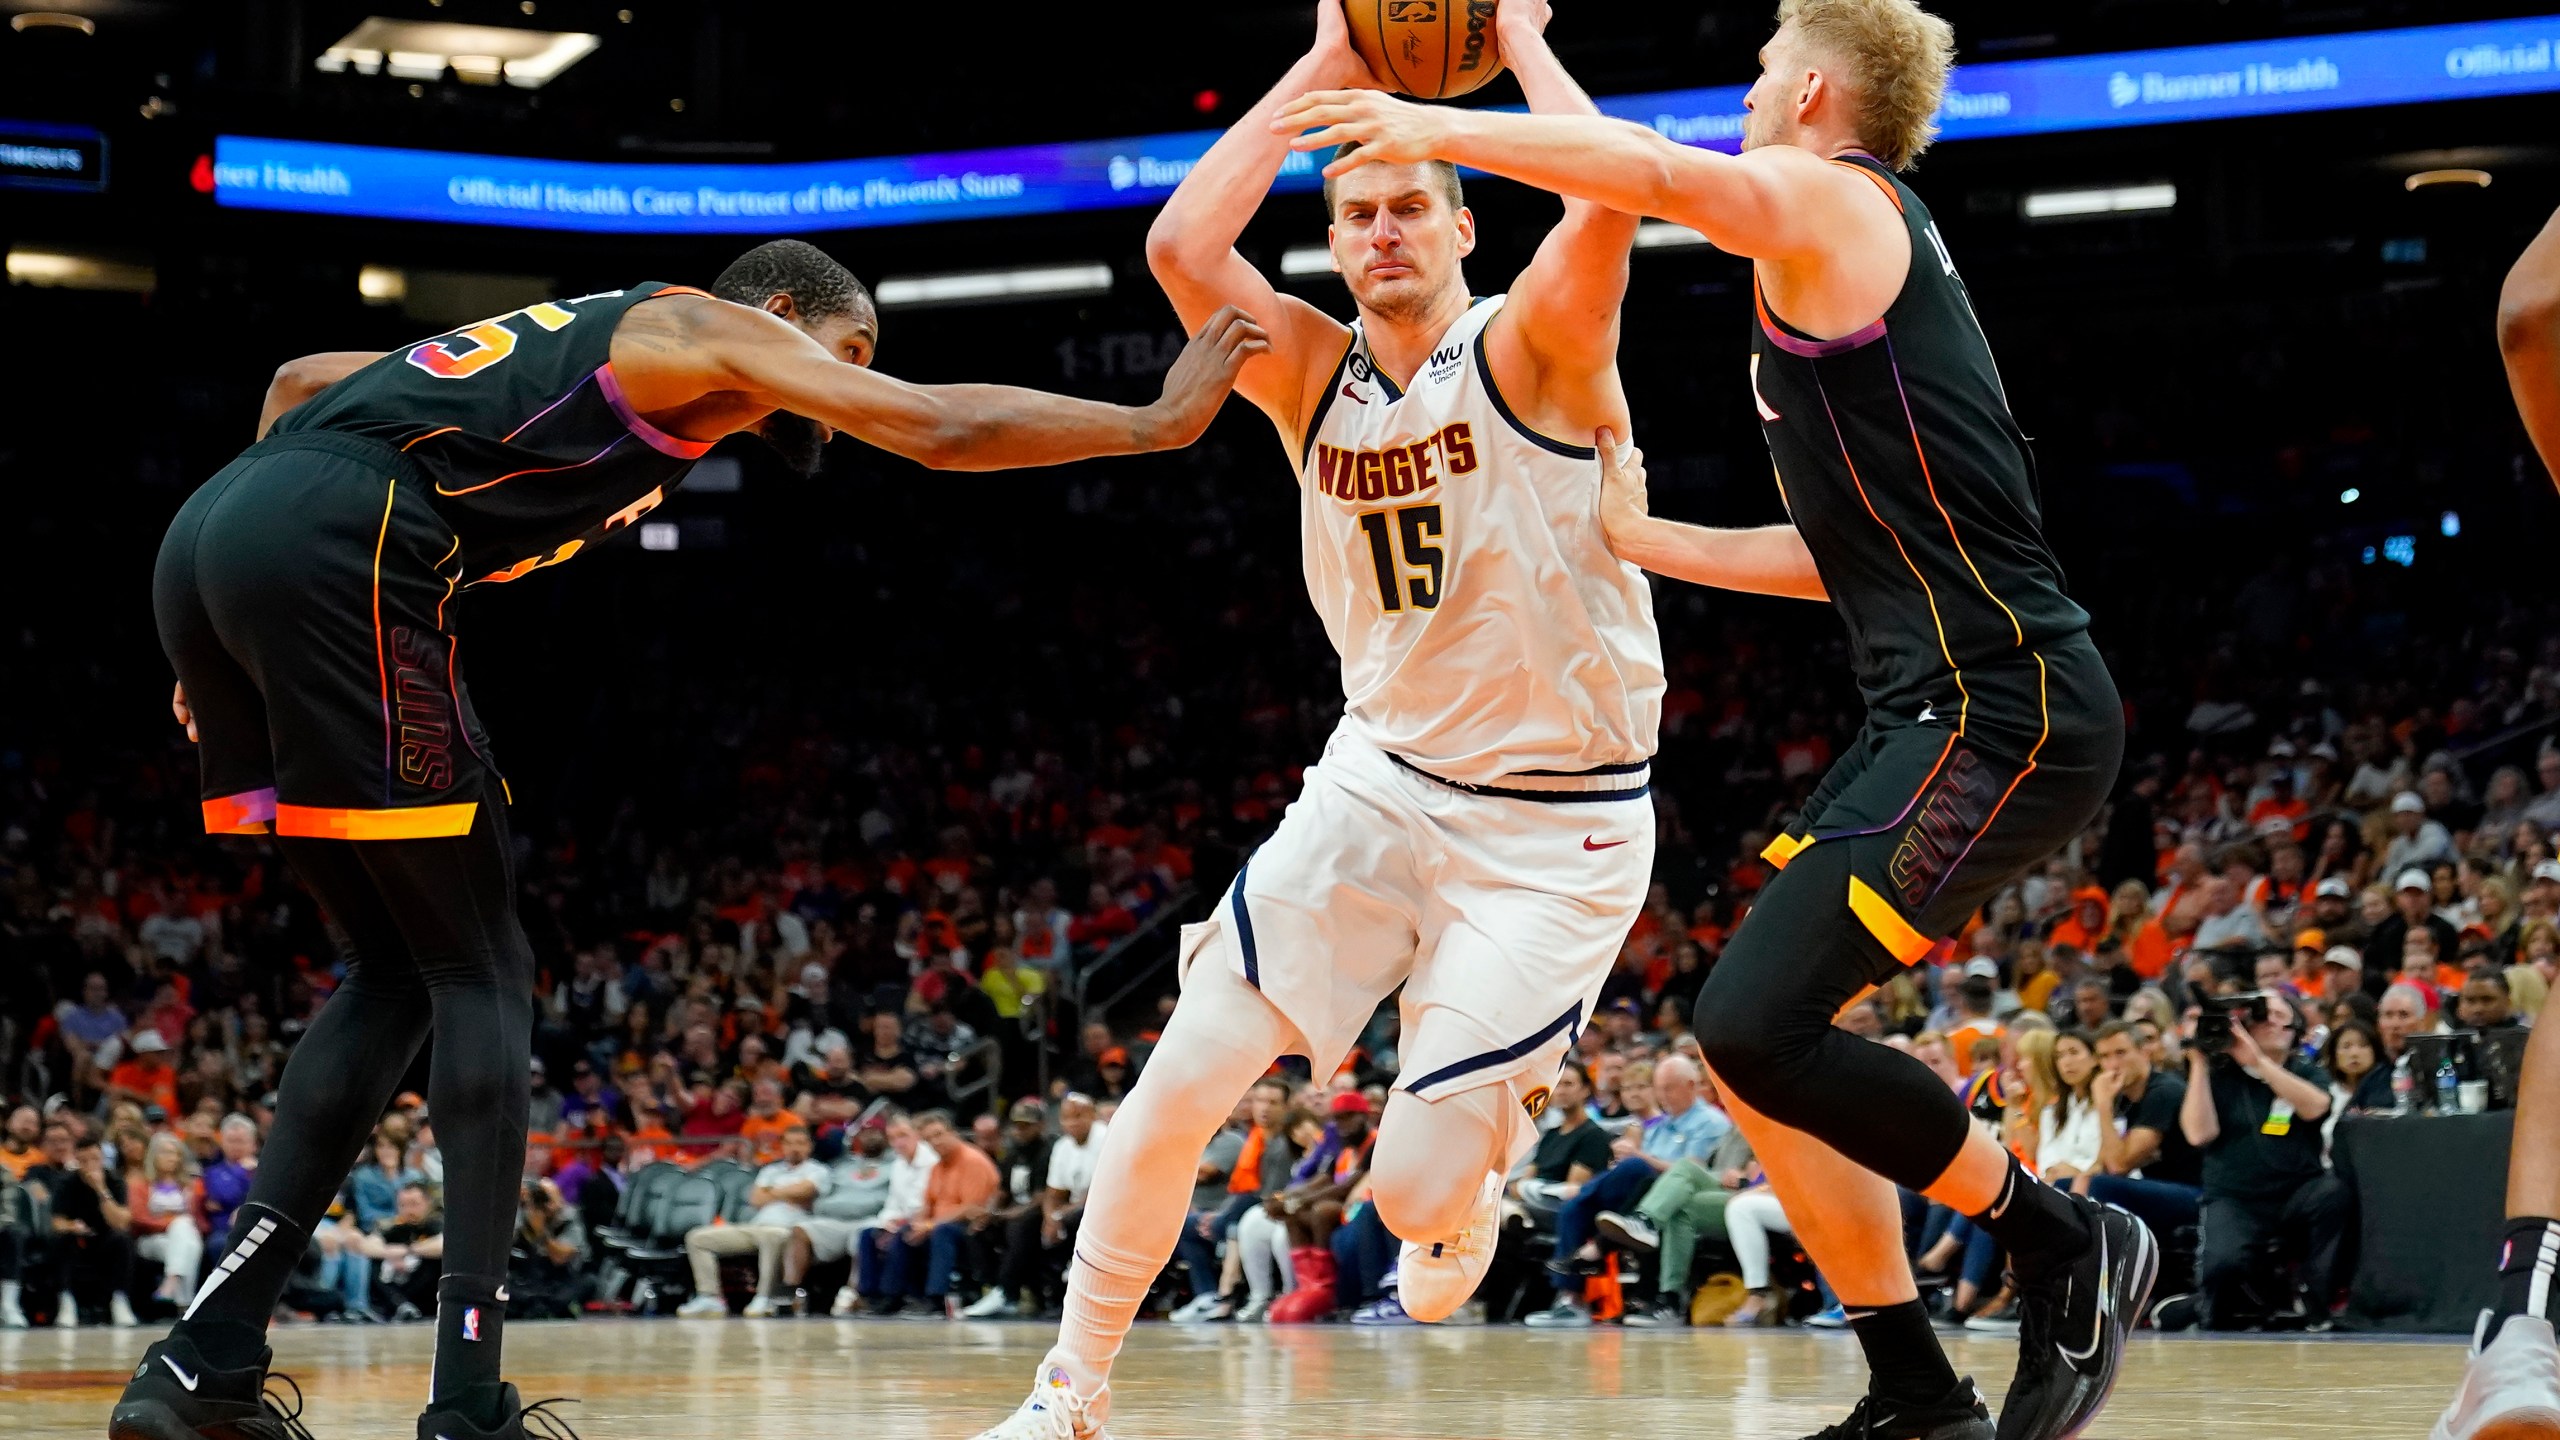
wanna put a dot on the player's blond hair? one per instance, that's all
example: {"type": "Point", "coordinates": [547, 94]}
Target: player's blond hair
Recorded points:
{"type": "Point", "coordinates": [1896, 57]}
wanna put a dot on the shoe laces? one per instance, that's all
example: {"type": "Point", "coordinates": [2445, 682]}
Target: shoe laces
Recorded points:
{"type": "Point", "coordinates": [1054, 1412]}
{"type": "Point", "coordinates": [538, 1419]}
{"type": "Point", "coordinates": [284, 1407]}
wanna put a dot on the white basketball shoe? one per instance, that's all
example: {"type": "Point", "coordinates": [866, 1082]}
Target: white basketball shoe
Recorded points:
{"type": "Point", "coordinates": [1054, 1412]}
{"type": "Point", "coordinates": [2512, 1390]}
{"type": "Point", "coordinates": [1434, 1279]}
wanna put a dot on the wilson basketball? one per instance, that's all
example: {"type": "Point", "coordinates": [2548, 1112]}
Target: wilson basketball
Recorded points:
{"type": "Point", "coordinates": [1429, 49]}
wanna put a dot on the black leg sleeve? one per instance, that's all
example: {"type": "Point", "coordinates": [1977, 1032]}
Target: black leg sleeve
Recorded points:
{"type": "Point", "coordinates": [1764, 1023]}
{"type": "Point", "coordinates": [333, 1092]}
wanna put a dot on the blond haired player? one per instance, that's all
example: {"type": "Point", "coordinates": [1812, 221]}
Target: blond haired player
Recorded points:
{"type": "Point", "coordinates": [1993, 731]}
{"type": "Point", "coordinates": [1478, 829]}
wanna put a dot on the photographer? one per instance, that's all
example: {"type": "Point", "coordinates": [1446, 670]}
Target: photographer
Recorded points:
{"type": "Point", "coordinates": [547, 1273]}
{"type": "Point", "coordinates": [2253, 1107]}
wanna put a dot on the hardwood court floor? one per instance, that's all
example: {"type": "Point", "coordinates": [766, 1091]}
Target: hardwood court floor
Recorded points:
{"type": "Point", "coordinates": [933, 1380]}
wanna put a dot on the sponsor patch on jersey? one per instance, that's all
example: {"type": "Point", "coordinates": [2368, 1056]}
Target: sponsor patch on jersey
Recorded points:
{"type": "Point", "coordinates": [1444, 365]}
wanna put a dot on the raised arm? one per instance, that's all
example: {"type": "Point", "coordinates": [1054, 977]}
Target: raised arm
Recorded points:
{"type": "Point", "coordinates": [298, 380]}
{"type": "Point", "coordinates": [678, 350]}
{"type": "Point", "coordinates": [2529, 337]}
{"type": "Point", "coordinates": [1776, 202]}
{"type": "Point", "coordinates": [1191, 246]}
{"type": "Point", "coordinates": [1770, 560]}
{"type": "Point", "coordinates": [1563, 314]}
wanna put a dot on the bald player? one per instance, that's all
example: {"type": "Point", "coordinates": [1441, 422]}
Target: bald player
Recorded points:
{"type": "Point", "coordinates": [309, 598]}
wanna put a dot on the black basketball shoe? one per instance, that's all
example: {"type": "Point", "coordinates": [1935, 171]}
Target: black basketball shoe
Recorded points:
{"type": "Point", "coordinates": [175, 1395]}
{"type": "Point", "coordinates": [452, 1419]}
{"type": "Point", "coordinates": [2073, 1317]}
{"type": "Point", "coordinates": [1961, 1415]}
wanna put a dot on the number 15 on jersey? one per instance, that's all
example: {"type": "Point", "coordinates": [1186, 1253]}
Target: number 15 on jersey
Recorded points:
{"type": "Point", "coordinates": [1413, 577]}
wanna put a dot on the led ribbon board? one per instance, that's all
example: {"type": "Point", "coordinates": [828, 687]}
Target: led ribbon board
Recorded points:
{"type": "Point", "coordinates": [39, 155]}
{"type": "Point", "coordinates": [2005, 98]}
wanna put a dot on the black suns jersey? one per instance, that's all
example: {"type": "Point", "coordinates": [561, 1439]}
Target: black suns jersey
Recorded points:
{"type": "Point", "coordinates": [518, 429]}
{"type": "Point", "coordinates": [1911, 482]}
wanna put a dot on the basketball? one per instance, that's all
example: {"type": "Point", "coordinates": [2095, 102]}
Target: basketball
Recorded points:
{"type": "Point", "coordinates": [1429, 49]}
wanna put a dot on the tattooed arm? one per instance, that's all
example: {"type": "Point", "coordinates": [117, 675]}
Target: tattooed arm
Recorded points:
{"type": "Point", "coordinates": [704, 368]}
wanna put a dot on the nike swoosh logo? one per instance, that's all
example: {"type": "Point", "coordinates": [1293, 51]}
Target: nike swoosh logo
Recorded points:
{"type": "Point", "coordinates": [502, 1294]}
{"type": "Point", "coordinates": [2105, 1307]}
{"type": "Point", "coordinates": [180, 1371]}
{"type": "Point", "coordinates": [1353, 396]}
{"type": "Point", "coordinates": [1589, 844]}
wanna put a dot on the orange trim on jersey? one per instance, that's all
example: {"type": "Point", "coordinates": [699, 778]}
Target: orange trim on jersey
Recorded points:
{"type": "Point", "coordinates": [2044, 704]}
{"type": "Point", "coordinates": [449, 579]}
{"type": "Point", "coordinates": [542, 470]}
{"type": "Point", "coordinates": [417, 822]}
{"type": "Point", "coordinates": [1886, 923]}
{"type": "Point", "coordinates": [381, 658]}
{"type": "Point", "coordinates": [1784, 849]}
{"type": "Point", "coordinates": [681, 290]}
{"type": "Point", "coordinates": [246, 813]}
{"type": "Point", "coordinates": [1964, 711]}
{"type": "Point", "coordinates": [430, 435]}
{"type": "Point", "coordinates": [1887, 186]}
{"type": "Point", "coordinates": [1922, 452]}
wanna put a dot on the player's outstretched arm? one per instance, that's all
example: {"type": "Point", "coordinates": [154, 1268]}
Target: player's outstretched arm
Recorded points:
{"type": "Point", "coordinates": [2529, 337]}
{"type": "Point", "coordinates": [1191, 246]}
{"type": "Point", "coordinates": [1771, 560]}
{"type": "Point", "coordinates": [746, 351]}
{"type": "Point", "coordinates": [1777, 202]}
{"type": "Point", "coordinates": [298, 380]}
{"type": "Point", "coordinates": [1564, 308]}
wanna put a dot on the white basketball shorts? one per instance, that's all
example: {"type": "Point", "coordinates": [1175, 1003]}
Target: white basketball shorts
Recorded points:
{"type": "Point", "coordinates": [1499, 908]}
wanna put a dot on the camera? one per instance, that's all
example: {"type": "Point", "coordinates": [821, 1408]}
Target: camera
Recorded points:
{"type": "Point", "coordinates": [2221, 1013]}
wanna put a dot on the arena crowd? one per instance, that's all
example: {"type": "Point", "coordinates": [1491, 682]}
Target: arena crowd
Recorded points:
{"type": "Point", "coordinates": [869, 1011]}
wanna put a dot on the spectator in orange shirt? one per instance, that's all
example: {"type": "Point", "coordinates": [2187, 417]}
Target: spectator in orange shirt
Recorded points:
{"type": "Point", "coordinates": [2086, 921]}
{"type": "Point", "coordinates": [19, 1151]}
{"type": "Point", "coordinates": [767, 1122]}
{"type": "Point", "coordinates": [962, 1186]}
{"type": "Point", "coordinates": [1972, 1003]}
{"type": "Point", "coordinates": [144, 1076]}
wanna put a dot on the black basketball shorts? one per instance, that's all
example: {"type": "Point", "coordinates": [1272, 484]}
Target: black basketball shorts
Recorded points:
{"type": "Point", "coordinates": [305, 596]}
{"type": "Point", "coordinates": [1938, 811]}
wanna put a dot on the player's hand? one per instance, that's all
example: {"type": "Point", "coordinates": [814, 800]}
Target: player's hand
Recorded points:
{"type": "Point", "coordinates": [1529, 16]}
{"type": "Point", "coordinates": [1201, 377]}
{"type": "Point", "coordinates": [1625, 506]}
{"type": "Point", "coordinates": [186, 714]}
{"type": "Point", "coordinates": [1335, 59]}
{"type": "Point", "coordinates": [1384, 129]}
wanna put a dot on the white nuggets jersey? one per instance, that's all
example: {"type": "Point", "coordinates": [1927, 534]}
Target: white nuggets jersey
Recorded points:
{"type": "Point", "coordinates": [1458, 561]}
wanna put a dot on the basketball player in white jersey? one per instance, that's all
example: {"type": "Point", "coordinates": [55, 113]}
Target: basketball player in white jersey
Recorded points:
{"type": "Point", "coordinates": [1478, 829]}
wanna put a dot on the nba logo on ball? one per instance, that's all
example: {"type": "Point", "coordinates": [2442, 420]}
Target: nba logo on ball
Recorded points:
{"type": "Point", "coordinates": [471, 1323]}
{"type": "Point", "coordinates": [1535, 1102]}
{"type": "Point", "coordinates": [1413, 12]}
